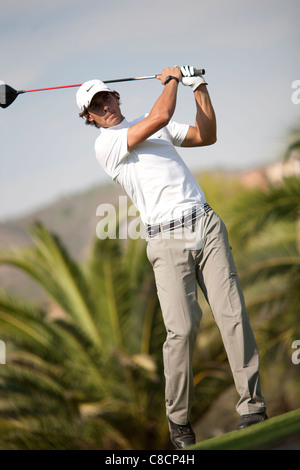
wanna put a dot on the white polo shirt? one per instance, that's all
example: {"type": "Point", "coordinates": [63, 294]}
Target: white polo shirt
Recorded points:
{"type": "Point", "coordinates": [152, 174]}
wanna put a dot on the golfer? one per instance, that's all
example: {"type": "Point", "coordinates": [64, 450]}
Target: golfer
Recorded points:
{"type": "Point", "coordinates": [187, 242]}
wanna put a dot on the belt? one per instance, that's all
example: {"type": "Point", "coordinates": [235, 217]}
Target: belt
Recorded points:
{"type": "Point", "coordinates": [153, 230]}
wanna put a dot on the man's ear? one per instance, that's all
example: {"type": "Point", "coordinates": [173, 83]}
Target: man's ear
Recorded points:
{"type": "Point", "coordinates": [89, 117]}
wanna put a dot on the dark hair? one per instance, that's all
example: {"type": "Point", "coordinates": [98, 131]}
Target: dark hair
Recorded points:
{"type": "Point", "coordinates": [85, 112]}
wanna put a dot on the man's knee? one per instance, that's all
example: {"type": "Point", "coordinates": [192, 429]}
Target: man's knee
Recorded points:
{"type": "Point", "coordinates": [185, 334]}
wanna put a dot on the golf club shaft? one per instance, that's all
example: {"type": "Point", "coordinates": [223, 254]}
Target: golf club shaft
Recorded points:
{"type": "Point", "coordinates": [197, 72]}
{"type": "Point", "coordinates": [79, 84]}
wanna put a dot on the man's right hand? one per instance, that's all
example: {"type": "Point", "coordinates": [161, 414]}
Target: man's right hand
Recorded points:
{"type": "Point", "coordinates": [173, 71]}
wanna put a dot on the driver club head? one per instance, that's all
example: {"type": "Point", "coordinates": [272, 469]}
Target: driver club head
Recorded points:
{"type": "Point", "coordinates": [7, 95]}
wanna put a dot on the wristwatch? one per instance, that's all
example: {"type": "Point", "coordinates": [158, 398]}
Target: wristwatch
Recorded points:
{"type": "Point", "coordinates": [169, 78]}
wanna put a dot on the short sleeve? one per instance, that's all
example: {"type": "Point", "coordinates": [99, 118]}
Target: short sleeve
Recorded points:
{"type": "Point", "coordinates": [178, 132]}
{"type": "Point", "coordinates": [111, 149]}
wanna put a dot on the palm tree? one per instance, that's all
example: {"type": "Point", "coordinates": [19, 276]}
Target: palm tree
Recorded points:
{"type": "Point", "coordinates": [85, 374]}
{"type": "Point", "coordinates": [265, 229]}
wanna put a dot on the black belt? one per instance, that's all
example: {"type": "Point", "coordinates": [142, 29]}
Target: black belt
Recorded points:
{"type": "Point", "coordinates": [153, 230]}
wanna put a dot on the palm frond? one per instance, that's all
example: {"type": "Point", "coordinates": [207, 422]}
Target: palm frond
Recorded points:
{"type": "Point", "coordinates": [256, 209]}
{"type": "Point", "coordinates": [49, 264]}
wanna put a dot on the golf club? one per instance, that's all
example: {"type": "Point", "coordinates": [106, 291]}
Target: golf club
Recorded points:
{"type": "Point", "coordinates": [8, 94]}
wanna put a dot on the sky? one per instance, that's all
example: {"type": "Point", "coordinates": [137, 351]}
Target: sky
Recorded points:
{"type": "Point", "coordinates": [250, 51]}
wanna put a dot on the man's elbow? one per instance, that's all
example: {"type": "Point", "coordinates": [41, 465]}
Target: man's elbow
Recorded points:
{"type": "Point", "coordinates": [210, 140]}
{"type": "Point", "coordinates": [164, 119]}
{"type": "Point", "coordinates": [213, 140]}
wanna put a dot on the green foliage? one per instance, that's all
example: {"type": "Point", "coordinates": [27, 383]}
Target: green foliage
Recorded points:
{"type": "Point", "coordinates": [254, 210]}
{"type": "Point", "coordinates": [81, 375]}
{"type": "Point", "coordinates": [88, 373]}
{"type": "Point", "coordinates": [265, 224]}
{"type": "Point", "coordinates": [263, 436]}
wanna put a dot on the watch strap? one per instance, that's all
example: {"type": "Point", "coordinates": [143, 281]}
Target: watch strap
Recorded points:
{"type": "Point", "coordinates": [169, 78]}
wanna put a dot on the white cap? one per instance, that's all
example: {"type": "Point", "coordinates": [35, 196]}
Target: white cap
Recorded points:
{"type": "Point", "coordinates": [87, 90]}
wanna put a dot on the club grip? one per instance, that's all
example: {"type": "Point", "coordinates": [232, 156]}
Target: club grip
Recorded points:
{"type": "Point", "coordinates": [198, 72]}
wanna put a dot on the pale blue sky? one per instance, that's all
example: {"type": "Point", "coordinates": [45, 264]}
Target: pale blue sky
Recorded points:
{"type": "Point", "coordinates": [250, 50]}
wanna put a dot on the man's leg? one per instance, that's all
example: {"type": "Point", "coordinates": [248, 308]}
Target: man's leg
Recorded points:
{"type": "Point", "coordinates": [217, 277]}
{"type": "Point", "coordinates": [174, 269]}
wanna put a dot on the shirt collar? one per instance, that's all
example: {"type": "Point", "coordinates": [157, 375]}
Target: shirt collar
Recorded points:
{"type": "Point", "coordinates": [121, 125]}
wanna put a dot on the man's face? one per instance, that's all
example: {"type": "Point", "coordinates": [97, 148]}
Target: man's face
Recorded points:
{"type": "Point", "coordinates": [105, 110]}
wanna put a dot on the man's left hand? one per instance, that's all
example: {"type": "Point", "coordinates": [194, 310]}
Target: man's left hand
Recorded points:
{"type": "Point", "coordinates": [188, 78]}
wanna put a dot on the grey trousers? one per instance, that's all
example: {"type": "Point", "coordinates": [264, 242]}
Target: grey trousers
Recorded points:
{"type": "Point", "coordinates": [181, 259]}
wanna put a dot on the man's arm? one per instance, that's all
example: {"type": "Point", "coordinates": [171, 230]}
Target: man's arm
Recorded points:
{"type": "Point", "coordinates": [205, 130]}
{"type": "Point", "coordinates": [161, 112]}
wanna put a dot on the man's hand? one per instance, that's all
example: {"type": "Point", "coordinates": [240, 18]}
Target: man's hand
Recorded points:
{"type": "Point", "coordinates": [188, 79]}
{"type": "Point", "coordinates": [173, 71]}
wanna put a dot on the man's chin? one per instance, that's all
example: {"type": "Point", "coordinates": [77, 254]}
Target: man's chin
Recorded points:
{"type": "Point", "coordinates": [114, 120]}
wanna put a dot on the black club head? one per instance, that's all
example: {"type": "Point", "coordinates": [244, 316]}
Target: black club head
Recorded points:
{"type": "Point", "coordinates": [7, 95]}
